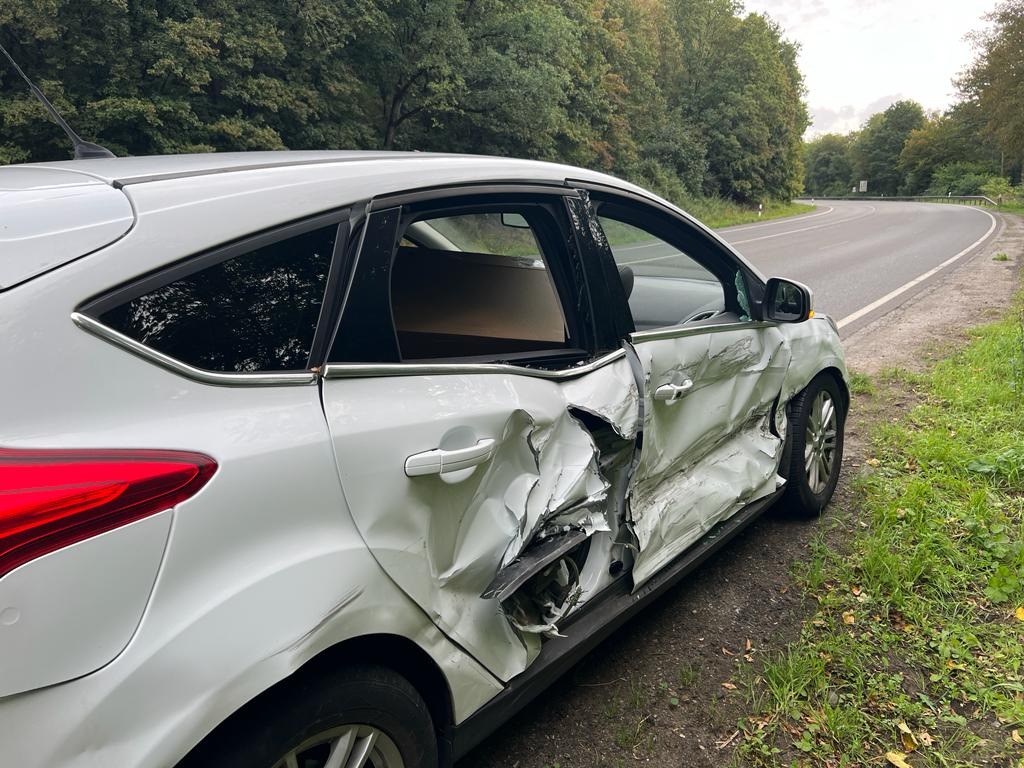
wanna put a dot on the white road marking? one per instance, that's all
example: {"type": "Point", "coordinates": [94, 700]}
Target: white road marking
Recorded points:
{"type": "Point", "coordinates": [727, 230]}
{"type": "Point", "coordinates": [920, 278]}
{"type": "Point", "coordinates": [804, 229]}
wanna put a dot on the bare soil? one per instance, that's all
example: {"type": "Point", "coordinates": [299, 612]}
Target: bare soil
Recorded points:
{"type": "Point", "coordinates": [653, 693]}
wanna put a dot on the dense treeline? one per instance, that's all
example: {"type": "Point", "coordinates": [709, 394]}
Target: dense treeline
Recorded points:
{"type": "Point", "coordinates": [691, 97]}
{"type": "Point", "coordinates": [975, 147]}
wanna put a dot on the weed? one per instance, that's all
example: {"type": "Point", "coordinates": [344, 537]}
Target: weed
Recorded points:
{"type": "Point", "coordinates": [689, 675]}
{"type": "Point", "coordinates": [861, 384]}
{"type": "Point", "coordinates": [1000, 257]}
{"type": "Point", "coordinates": [919, 618]}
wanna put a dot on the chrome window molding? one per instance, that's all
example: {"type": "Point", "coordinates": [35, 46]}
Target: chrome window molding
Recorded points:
{"type": "Point", "coordinates": [367, 370]}
{"type": "Point", "coordinates": [681, 331]}
{"type": "Point", "coordinates": [200, 375]}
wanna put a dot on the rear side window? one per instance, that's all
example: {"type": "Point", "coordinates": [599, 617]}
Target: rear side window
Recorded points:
{"type": "Point", "coordinates": [475, 284]}
{"type": "Point", "coordinates": [253, 311]}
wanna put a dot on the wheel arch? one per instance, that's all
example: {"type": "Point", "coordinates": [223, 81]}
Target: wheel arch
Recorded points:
{"type": "Point", "coordinates": [840, 380]}
{"type": "Point", "coordinates": [397, 653]}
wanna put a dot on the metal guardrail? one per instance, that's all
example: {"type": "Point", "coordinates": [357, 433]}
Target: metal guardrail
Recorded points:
{"type": "Point", "coordinates": [961, 199]}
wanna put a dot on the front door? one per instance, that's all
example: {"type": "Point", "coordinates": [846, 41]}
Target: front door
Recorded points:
{"type": "Point", "coordinates": [462, 353]}
{"type": "Point", "coordinates": [711, 378]}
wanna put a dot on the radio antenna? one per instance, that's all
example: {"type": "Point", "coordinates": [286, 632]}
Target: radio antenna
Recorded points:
{"type": "Point", "coordinates": [84, 150]}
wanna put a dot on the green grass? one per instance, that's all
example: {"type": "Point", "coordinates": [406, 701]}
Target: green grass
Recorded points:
{"type": "Point", "coordinates": [917, 624]}
{"type": "Point", "coordinates": [1000, 257]}
{"type": "Point", "coordinates": [715, 212]}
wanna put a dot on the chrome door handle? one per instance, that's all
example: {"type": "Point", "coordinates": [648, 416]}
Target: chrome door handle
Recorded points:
{"type": "Point", "coordinates": [670, 393]}
{"type": "Point", "coordinates": [439, 460]}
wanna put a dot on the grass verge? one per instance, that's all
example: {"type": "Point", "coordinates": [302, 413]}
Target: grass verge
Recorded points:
{"type": "Point", "coordinates": [716, 212]}
{"type": "Point", "coordinates": [915, 654]}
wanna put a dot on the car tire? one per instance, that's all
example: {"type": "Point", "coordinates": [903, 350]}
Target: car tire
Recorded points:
{"type": "Point", "coordinates": [370, 711]}
{"type": "Point", "coordinates": [815, 450]}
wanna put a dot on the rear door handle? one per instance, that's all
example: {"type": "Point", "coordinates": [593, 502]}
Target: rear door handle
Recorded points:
{"type": "Point", "coordinates": [440, 461]}
{"type": "Point", "coordinates": [670, 393]}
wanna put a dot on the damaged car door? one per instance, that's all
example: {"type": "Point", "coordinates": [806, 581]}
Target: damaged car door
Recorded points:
{"type": "Point", "coordinates": [712, 377]}
{"type": "Point", "coordinates": [482, 429]}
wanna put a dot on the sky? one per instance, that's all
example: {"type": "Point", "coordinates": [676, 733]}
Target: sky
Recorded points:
{"type": "Point", "coordinates": [860, 56]}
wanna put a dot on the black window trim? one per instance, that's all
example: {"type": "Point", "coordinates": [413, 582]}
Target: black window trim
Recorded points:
{"type": "Point", "coordinates": [86, 313]}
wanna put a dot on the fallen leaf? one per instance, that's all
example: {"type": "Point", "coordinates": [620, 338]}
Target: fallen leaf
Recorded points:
{"type": "Point", "coordinates": [872, 462]}
{"type": "Point", "coordinates": [901, 513]}
{"type": "Point", "coordinates": [1019, 613]}
{"type": "Point", "coordinates": [848, 618]}
{"type": "Point", "coordinates": [1015, 735]}
{"type": "Point", "coordinates": [856, 590]}
{"type": "Point", "coordinates": [727, 652]}
{"type": "Point", "coordinates": [748, 657]}
{"type": "Point", "coordinates": [907, 737]}
{"type": "Point", "coordinates": [898, 759]}
{"type": "Point", "coordinates": [925, 738]}
{"type": "Point", "coordinates": [729, 686]}
{"type": "Point", "coordinates": [749, 646]}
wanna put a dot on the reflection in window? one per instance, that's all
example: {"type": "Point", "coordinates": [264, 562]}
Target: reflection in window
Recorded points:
{"type": "Point", "coordinates": [254, 312]}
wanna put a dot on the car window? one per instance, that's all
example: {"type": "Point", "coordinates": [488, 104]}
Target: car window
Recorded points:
{"type": "Point", "coordinates": [475, 284]}
{"type": "Point", "coordinates": [665, 286]}
{"type": "Point", "coordinates": [256, 311]}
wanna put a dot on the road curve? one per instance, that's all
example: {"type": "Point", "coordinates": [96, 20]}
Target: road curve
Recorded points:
{"type": "Point", "coordinates": [862, 259]}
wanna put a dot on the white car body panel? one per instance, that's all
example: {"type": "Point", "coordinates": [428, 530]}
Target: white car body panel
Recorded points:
{"type": "Point", "coordinates": [268, 565]}
{"type": "Point", "coordinates": [63, 593]}
{"type": "Point", "coordinates": [50, 217]}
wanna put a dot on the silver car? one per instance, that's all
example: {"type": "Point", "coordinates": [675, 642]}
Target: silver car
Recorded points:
{"type": "Point", "coordinates": [338, 459]}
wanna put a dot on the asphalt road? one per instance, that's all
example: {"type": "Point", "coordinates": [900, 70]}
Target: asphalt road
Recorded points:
{"type": "Point", "coordinates": [861, 259]}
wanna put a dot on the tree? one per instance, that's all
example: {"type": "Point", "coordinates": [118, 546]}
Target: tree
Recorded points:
{"type": "Point", "coordinates": [995, 81]}
{"type": "Point", "coordinates": [829, 167]}
{"type": "Point", "coordinates": [741, 88]}
{"type": "Point", "coordinates": [687, 96]}
{"type": "Point", "coordinates": [958, 135]}
{"type": "Point", "coordinates": [876, 153]}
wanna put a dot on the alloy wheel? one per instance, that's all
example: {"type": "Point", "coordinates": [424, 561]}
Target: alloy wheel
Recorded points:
{"type": "Point", "coordinates": [820, 442]}
{"type": "Point", "coordinates": [347, 746]}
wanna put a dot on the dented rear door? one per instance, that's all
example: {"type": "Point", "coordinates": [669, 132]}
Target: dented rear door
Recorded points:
{"type": "Point", "coordinates": [455, 464]}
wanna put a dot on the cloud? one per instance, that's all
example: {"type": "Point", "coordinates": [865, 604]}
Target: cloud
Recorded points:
{"type": "Point", "coordinates": [848, 117]}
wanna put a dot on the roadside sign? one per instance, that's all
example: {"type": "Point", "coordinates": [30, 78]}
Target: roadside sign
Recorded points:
{"type": "Point", "coordinates": [863, 185]}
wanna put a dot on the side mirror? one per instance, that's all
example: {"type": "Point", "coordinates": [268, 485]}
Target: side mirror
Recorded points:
{"type": "Point", "coordinates": [786, 301]}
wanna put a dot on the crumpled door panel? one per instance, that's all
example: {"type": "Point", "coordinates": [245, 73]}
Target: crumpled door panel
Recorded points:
{"type": "Point", "coordinates": [443, 538]}
{"type": "Point", "coordinates": [712, 451]}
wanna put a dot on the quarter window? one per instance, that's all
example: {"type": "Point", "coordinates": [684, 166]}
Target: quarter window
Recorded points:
{"type": "Point", "coordinates": [256, 311]}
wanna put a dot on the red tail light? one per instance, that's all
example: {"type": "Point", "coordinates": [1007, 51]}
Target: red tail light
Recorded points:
{"type": "Point", "coordinates": [50, 499]}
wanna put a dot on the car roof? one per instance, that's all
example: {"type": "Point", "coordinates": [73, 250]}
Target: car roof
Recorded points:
{"type": "Point", "coordinates": [418, 167]}
{"type": "Point", "coordinates": [68, 209]}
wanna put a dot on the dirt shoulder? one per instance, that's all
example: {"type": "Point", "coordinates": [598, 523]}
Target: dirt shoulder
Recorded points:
{"type": "Point", "coordinates": [659, 691]}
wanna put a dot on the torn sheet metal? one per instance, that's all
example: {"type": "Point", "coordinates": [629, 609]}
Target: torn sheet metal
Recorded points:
{"type": "Point", "coordinates": [610, 394]}
{"type": "Point", "coordinates": [719, 427]}
{"type": "Point", "coordinates": [568, 492]}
